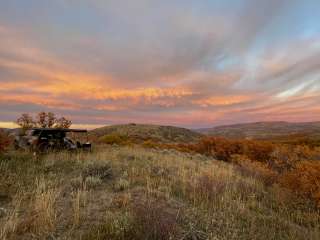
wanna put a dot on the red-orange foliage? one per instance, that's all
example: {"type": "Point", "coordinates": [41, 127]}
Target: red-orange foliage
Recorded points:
{"type": "Point", "coordinates": [296, 167]}
{"type": "Point", "coordinates": [220, 148]}
{"type": "Point", "coordinates": [223, 149]}
{"type": "Point", "coordinates": [304, 179]}
{"type": "Point", "coordinates": [254, 168]}
{"type": "Point", "coordinates": [279, 157]}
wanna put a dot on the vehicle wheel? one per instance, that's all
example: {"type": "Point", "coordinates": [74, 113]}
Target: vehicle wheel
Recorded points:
{"type": "Point", "coordinates": [16, 145]}
{"type": "Point", "coordinates": [43, 148]}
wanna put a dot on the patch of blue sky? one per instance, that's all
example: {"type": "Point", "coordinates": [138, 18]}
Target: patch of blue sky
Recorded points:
{"type": "Point", "coordinates": [309, 84]}
{"type": "Point", "coordinates": [226, 62]}
{"type": "Point", "coordinates": [299, 21]}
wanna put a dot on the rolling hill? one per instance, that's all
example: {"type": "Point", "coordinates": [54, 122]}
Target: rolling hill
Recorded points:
{"type": "Point", "coordinates": [264, 130]}
{"type": "Point", "coordinates": [159, 133]}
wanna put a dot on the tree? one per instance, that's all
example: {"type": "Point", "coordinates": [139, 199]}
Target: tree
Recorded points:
{"type": "Point", "coordinates": [51, 119]}
{"type": "Point", "coordinates": [26, 121]}
{"type": "Point", "coordinates": [63, 123]}
{"type": "Point", "coordinates": [43, 120]}
{"type": "Point", "coordinates": [46, 120]}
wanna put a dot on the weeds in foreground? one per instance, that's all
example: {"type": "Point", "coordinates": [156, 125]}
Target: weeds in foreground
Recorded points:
{"type": "Point", "coordinates": [41, 213]}
{"type": "Point", "coordinates": [11, 221]}
{"type": "Point", "coordinates": [79, 202]}
{"type": "Point", "coordinates": [135, 193]}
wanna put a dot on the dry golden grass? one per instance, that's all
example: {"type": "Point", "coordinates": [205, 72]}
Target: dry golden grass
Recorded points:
{"type": "Point", "coordinates": [78, 204]}
{"type": "Point", "coordinates": [136, 193]}
{"type": "Point", "coordinates": [10, 222]}
{"type": "Point", "coordinates": [42, 208]}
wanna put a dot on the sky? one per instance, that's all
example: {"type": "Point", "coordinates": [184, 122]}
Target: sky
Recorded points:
{"type": "Point", "coordinates": [186, 63]}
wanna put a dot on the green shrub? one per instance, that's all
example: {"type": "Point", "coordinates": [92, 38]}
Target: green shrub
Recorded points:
{"type": "Point", "coordinates": [115, 139]}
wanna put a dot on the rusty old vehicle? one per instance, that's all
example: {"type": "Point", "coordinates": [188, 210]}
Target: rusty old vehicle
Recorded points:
{"type": "Point", "coordinates": [52, 139]}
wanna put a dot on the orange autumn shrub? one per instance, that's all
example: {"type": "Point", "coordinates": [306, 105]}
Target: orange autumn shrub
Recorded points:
{"type": "Point", "coordinates": [150, 144]}
{"type": "Point", "coordinates": [304, 179]}
{"type": "Point", "coordinates": [220, 148]}
{"type": "Point", "coordinates": [258, 150]}
{"type": "Point", "coordinates": [181, 147]}
{"type": "Point", "coordinates": [316, 154]}
{"type": "Point", "coordinates": [283, 158]}
{"type": "Point", "coordinates": [256, 169]}
{"type": "Point", "coordinates": [280, 157]}
{"type": "Point", "coordinates": [298, 140]}
{"type": "Point", "coordinates": [286, 157]}
{"type": "Point", "coordinates": [223, 148]}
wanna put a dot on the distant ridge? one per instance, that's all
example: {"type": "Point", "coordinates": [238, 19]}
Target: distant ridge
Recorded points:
{"type": "Point", "coordinates": [261, 130]}
{"type": "Point", "coordinates": [149, 132]}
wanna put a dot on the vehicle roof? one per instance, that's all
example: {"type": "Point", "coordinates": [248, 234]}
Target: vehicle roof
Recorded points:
{"type": "Point", "coordinates": [60, 130]}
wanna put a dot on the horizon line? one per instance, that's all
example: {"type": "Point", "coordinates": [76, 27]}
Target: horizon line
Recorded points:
{"type": "Point", "coordinates": [89, 126]}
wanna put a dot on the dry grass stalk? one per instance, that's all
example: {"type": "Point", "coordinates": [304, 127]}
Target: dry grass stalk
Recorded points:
{"type": "Point", "coordinates": [43, 207]}
{"type": "Point", "coordinates": [11, 221]}
{"type": "Point", "coordinates": [79, 202]}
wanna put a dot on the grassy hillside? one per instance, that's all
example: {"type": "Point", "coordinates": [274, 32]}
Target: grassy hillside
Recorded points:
{"type": "Point", "coordinates": [148, 132]}
{"type": "Point", "coordinates": [263, 130]}
{"type": "Point", "coordinates": [134, 193]}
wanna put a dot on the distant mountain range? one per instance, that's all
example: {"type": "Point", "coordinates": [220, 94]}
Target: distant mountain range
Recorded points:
{"type": "Point", "coordinates": [263, 130]}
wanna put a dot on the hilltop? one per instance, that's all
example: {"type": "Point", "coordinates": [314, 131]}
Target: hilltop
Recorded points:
{"type": "Point", "coordinates": [158, 133]}
{"type": "Point", "coordinates": [262, 130]}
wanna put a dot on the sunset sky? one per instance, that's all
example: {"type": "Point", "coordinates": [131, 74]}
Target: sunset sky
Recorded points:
{"type": "Point", "coordinates": [185, 63]}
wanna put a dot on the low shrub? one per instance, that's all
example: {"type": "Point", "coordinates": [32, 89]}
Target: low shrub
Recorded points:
{"type": "Point", "coordinates": [150, 144]}
{"type": "Point", "coordinates": [115, 139]}
{"type": "Point", "coordinates": [304, 179]}
{"type": "Point", "coordinates": [148, 219]}
{"type": "Point", "coordinates": [93, 182]}
{"type": "Point", "coordinates": [121, 185]}
{"type": "Point", "coordinates": [155, 219]}
{"type": "Point", "coordinates": [208, 188]}
{"type": "Point", "coordinates": [255, 169]}
{"type": "Point", "coordinates": [100, 170]}
{"type": "Point", "coordinates": [220, 148]}
{"type": "Point", "coordinates": [117, 227]}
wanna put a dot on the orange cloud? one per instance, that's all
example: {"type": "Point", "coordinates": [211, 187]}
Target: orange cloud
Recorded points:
{"type": "Point", "coordinates": [27, 99]}
{"type": "Point", "coordinates": [222, 100]}
{"type": "Point", "coordinates": [54, 80]}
